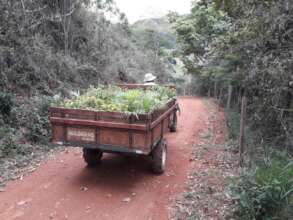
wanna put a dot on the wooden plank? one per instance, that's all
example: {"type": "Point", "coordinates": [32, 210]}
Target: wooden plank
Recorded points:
{"type": "Point", "coordinates": [141, 86]}
{"type": "Point", "coordinates": [162, 128]}
{"type": "Point", "coordinates": [54, 112]}
{"type": "Point", "coordinates": [84, 135]}
{"type": "Point", "coordinates": [57, 134]}
{"type": "Point", "coordinates": [112, 137]}
{"type": "Point", "coordinates": [166, 124]}
{"type": "Point", "coordinates": [157, 133]}
{"type": "Point", "coordinates": [64, 129]}
{"type": "Point", "coordinates": [97, 129]}
{"type": "Point", "coordinates": [163, 116]}
{"type": "Point", "coordinates": [67, 121]}
{"type": "Point", "coordinates": [148, 141]}
{"type": "Point", "coordinates": [139, 141]}
{"type": "Point", "coordinates": [72, 113]}
{"type": "Point", "coordinates": [130, 132]}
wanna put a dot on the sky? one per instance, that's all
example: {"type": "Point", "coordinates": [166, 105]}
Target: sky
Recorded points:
{"type": "Point", "coordinates": [140, 9]}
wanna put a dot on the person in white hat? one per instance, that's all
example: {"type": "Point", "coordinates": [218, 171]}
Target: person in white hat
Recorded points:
{"type": "Point", "coordinates": [149, 79]}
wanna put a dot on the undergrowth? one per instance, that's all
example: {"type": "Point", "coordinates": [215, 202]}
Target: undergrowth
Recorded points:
{"type": "Point", "coordinates": [24, 132]}
{"type": "Point", "coordinates": [265, 192]}
{"type": "Point", "coordinates": [264, 189]}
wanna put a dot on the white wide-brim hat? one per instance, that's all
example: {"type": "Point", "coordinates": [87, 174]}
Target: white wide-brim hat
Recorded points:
{"type": "Point", "coordinates": [149, 77]}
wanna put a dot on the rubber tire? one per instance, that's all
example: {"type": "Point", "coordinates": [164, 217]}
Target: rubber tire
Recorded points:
{"type": "Point", "coordinates": [173, 127]}
{"type": "Point", "coordinates": [159, 157]}
{"type": "Point", "coordinates": [92, 156]}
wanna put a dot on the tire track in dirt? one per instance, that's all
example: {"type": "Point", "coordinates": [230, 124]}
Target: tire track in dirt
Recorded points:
{"type": "Point", "coordinates": [120, 188]}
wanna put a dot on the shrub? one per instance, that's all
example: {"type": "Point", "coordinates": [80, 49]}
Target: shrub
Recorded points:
{"type": "Point", "coordinates": [233, 124]}
{"type": "Point", "coordinates": [6, 103]}
{"type": "Point", "coordinates": [266, 192]}
{"type": "Point", "coordinates": [8, 142]}
{"type": "Point", "coordinates": [37, 131]}
{"type": "Point", "coordinates": [37, 122]}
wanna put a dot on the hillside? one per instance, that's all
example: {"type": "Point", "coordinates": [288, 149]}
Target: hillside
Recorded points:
{"type": "Point", "coordinates": [157, 35]}
{"type": "Point", "coordinates": [160, 26]}
{"type": "Point", "coordinates": [67, 51]}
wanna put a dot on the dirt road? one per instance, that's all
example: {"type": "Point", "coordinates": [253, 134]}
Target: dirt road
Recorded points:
{"type": "Point", "coordinates": [120, 188]}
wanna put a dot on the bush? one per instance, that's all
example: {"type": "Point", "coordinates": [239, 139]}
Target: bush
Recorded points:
{"type": "Point", "coordinates": [6, 103]}
{"type": "Point", "coordinates": [266, 192]}
{"type": "Point", "coordinates": [37, 120]}
{"type": "Point", "coordinates": [233, 124]}
{"type": "Point", "coordinates": [8, 141]}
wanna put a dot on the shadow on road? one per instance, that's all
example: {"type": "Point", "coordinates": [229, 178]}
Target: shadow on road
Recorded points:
{"type": "Point", "coordinates": [116, 172]}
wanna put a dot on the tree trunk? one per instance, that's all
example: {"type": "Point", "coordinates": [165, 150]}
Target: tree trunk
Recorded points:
{"type": "Point", "coordinates": [220, 96]}
{"type": "Point", "coordinates": [24, 12]}
{"type": "Point", "coordinates": [230, 91]}
{"type": "Point", "coordinates": [215, 89]}
{"type": "Point", "coordinates": [288, 118]}
{"type": "Point", "coordinates": [66, 45]}
{"type": "Point", "coordinates": [67, 12]}
{"type": "Point", "coordinates": [239, 99]}
{"type": "Point", "coordinates": [242, 130]}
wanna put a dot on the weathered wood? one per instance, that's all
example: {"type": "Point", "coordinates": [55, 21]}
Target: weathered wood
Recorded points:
{"type": "Point", "coordinates": [242, 130]}
{"type": "Point", "coordinates": [135, 133]}
{"type": "Point", "coordinates": [141, 86]}
{"type": "Point", "coordinates": [107, 116]}
{"type": "Point", "coordinates": [112, 131]}
{"type": "Point", "coordinates": [163, 116]}
{"type": "Point", "coordinates": [105, 124]}
{"type": "Point", "coordinates": [115, 137]}
{"type": "Point", "coordinates": [92, 113]}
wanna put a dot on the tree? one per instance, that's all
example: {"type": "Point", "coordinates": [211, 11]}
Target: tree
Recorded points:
{"type": "Point", "coordinates": [247, 45]}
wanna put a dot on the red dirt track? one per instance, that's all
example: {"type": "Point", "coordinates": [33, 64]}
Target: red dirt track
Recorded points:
{"type": "Point", "coordinates": [120, 188]}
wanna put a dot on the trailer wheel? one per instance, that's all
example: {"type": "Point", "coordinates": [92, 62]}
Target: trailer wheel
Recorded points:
{"type": "Point", "coordinates": [159, 157]}
{"type": "Point", "coordinates": [92, 156]}
{"type": "Point", "coordinates": [173, 127]}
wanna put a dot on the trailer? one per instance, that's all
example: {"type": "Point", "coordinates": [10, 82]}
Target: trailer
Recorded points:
{"type": "Point", "coordinates": [116, 132]}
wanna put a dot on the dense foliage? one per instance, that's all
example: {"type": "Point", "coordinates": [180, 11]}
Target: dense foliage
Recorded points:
{"type": "Point", "coordinates": [266, 192]}
{"type": "Point", "coordinates": [116, 99]}
{"type": "Point", "coordinates": [247, 46]}
{"type": "Point", "coordinates": [53, 46]}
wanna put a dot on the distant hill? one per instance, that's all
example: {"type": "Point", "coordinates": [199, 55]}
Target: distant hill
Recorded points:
{"type": "Point", "coordinates": [160, 26]}
{"type": "Point", "coordinates": [166, 39]}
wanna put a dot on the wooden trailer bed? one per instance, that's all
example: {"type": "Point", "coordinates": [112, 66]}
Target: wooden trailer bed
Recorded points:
{"type": "Point", "coordinates": [115, 132]}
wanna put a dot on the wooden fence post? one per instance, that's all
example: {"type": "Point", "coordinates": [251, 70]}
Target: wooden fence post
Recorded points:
{"type": "Point", "coordinates": [242, 130]}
